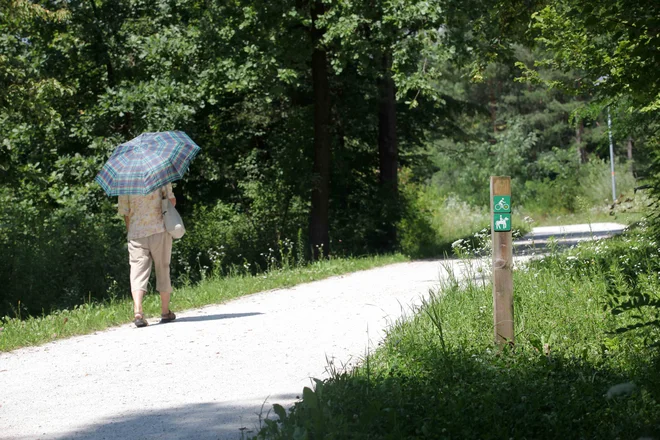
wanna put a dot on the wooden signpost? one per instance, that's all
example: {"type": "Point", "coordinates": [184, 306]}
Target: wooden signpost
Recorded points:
{"type": "Point", "coordinates": [500, 208]}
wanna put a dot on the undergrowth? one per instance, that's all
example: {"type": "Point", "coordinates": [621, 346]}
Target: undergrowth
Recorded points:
{"type": "Point", "coordinates": [577, 371]}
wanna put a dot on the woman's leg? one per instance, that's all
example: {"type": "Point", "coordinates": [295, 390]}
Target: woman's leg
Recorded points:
{"type": "Point", "coordinates": [161, 251]}
{"type": "Point", "coordinates": [137, 301]}
{"type": "Point", "coordinates": [140, 261]}
{"type": "Point", "coordinates": [164, 303]}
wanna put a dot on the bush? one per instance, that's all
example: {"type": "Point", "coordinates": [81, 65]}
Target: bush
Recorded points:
{"type": "Point", "coordinates": [595, 183]}
{"type": "Point", "coordinates": [68, 247]}
{"type": "Point", "coordinates": [432, 221]}
{"type": "Point", "coordinates": [58, 257]}
{"type": "Point", "coordinates": [220, 239]}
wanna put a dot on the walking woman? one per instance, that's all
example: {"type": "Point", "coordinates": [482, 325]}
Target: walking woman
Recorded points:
{"type": "Point", "coordinates": [148, 241]}
{"type": "Point", "coordinates": [139, 172]}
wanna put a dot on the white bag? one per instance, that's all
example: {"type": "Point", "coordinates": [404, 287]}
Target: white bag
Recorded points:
{"type": "Point", "coordinates": [173, 221]}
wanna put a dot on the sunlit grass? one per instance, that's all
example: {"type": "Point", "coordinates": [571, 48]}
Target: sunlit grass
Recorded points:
{"type": "Point", "coordinates": [439, 375]}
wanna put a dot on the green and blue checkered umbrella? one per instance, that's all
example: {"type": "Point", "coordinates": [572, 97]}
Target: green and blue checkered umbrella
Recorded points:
{"type": "Point", "coordinates": [146, 163]}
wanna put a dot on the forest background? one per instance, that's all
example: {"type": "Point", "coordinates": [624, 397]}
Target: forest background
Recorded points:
{"type": "Point", "coordinates": [328, 128]}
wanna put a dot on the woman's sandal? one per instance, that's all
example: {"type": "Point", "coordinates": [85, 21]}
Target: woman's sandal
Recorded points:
{"type": "Point", "coordinates": [168, 317]}
{"type": "Point", "coordinates": [139, 320]}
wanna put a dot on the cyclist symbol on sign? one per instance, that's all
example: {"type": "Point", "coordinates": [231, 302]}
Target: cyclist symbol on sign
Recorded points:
{"type": "Point", "coordinates": [501, 206]}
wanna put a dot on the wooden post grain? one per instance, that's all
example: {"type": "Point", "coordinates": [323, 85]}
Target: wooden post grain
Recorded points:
{"type": "Point", "coordinates": [502, 269]}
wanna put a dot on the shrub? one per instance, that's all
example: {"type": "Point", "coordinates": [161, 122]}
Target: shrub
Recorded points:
{"type": "Point", "coordinates": [595, 184]}
{"type": "Point", "coordinates": [58, 257]}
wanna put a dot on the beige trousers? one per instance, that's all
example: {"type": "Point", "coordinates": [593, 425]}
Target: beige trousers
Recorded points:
{"type": "Point", "coordinates": [141, 252]}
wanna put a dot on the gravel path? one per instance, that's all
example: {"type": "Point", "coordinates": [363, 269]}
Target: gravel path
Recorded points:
{"type": "Point", "coordinates": [208, 374]}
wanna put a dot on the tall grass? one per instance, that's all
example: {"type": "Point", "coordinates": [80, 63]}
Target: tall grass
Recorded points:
{"type": "Point", "coordinates": [441, 219]}
{"type": "Point", "coordinates": [437, 375]}
{"type": "Point", "coordinates": [596, 181]}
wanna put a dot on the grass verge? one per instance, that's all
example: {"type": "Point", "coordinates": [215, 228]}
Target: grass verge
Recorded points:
{"type": "Point", "coordinates": [91, 317]}
{"type": "Point", "coordinates": [571, 375]}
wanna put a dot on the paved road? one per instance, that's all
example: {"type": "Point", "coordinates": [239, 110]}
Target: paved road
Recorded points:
{"type": "Point", "coordinates": [565, 236]}
{"type": "Point", "coordinates": [208, 374]}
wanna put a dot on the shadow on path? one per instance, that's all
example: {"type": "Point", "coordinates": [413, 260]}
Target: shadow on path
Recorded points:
{"type": "Point", "coordinates": [200, 421]}
{"type": "Point", "coordinates": [215, 317]}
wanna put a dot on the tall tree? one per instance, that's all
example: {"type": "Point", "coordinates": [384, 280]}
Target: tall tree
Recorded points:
{"type": "Point", "coordinates": [388, 148]}
{"type": "Point", "coordinates": [319, 216]}
{"type": "Point", "coordinates": [616, 47]}
{"type": "Point", "coordinates": [393, 45]}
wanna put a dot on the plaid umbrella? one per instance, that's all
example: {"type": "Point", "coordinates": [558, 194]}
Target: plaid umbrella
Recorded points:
{"type": "Point", "coordinates": [146, 163]}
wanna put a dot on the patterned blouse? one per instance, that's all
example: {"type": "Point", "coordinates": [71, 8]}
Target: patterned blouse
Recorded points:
{"type": "Point", "coordinates": [145, 213]}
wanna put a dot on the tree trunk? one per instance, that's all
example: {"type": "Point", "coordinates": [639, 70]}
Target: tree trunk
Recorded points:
{"type": "Point", "coordinates": [319, 236]}
{"type": "Point", "coordinates": [630, 147]}
{"type": "Point", "coordinates": [388, 150]}
{"type": "Point", "coordinates": [493, 105]}
{"type": "Point", "coordinates": [582, 153]}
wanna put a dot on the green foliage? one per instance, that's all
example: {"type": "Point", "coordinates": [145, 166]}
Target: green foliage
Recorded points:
{"type": "Point", "coordinates": [557, 193]}
{"type": "Point", "coordinates": [595, 182]}
{"type": "Point", "coordinates": [629, 265]}
{"type": "Point", "coordinates": [521, 131]}
{"type": "Point", "coordinates": [79, 81]}
{"type": "Point", "coordinates": [613, 44]}
{"type": "Point", "coordinates": [53, 251]}
{"type": "Point", "coordinates": [310, 419]}
{"type": "Point", "coordinates": [221, 240]}
{"type": "Point", "coordinates": [418, 237]}
{"type": "Point", "coordinates": [603, 39]}
{"type": "Point", "coordinates": [432, 222]}
{"type": "Point", "coordinates": [553, 142]}
{"type": "Point", "coordinates": [466, 171]}
{"type": "Point", "coordinates": [437, 374]}
{"type": "Point", "coordinates": [79, 78]}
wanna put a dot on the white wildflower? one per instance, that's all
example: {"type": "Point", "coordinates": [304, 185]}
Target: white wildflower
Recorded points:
{"type": "Point", "coordinates": [621, 389]}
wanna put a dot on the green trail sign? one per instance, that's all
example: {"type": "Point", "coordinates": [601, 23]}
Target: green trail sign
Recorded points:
{"type": "Point", "coordinates": [501, 204]}
{"type": "Point", "coordinates": [501, 222]}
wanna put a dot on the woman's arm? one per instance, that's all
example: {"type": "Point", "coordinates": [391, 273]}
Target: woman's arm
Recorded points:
{"type": "Point", "coordinates": [123, 206]}
{"type": "Point", "coordinates": [170, 194]}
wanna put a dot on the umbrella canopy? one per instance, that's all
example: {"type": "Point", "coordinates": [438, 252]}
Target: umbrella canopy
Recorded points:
{"type": "Point", "coordinates": [146, 163]}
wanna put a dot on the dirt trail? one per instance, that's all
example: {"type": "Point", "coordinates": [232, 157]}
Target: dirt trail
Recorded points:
{"type": "Point", "coordinates": [208, 374]}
